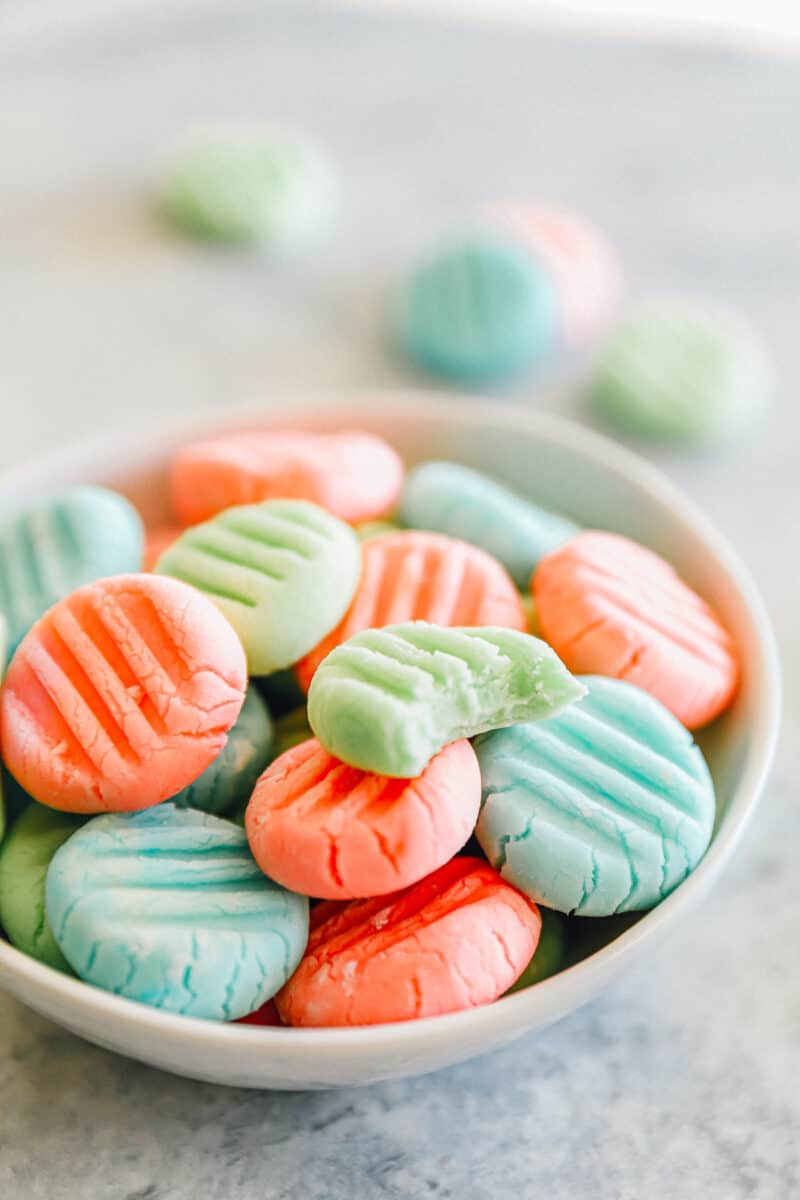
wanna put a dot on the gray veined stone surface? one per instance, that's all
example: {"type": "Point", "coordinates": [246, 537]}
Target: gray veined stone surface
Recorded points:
{"type": "Point", "coordinates": [681, 1081]}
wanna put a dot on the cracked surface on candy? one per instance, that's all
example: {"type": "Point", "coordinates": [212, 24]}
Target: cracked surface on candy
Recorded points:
{"type": "Point", "coordinates": [169, 908]}
{"type": "Point", "coordinates": [603, 809]}
{"type": "Point", "coordinates": [231, 777]}
{"type": "Point", "coordinates": [120, 695]}
{"type": "Point", "coordinates": [457, 939]}
{"type": "Point", "coordinates": [610, 607]}
{"type": "Point", "coordinates": [389, 699]}
{"type": "Point", "coordinates": [329, 830]}
{"type": "Point", "coordinates": [419, 576]}
{"type": "Point", "coordinates": [355, 476]}
{"type": "Point", "coordinates": [283, 572]}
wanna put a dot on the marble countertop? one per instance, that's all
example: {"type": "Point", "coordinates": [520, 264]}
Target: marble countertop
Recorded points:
{"type": "Point", "coordinates": [681, 1081]}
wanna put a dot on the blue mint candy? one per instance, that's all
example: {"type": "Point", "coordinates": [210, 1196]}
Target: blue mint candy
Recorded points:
{"type": "Point", "coordinates": [448, 498]}
{"type": "Point", "coordinates": [74, 537]}
{"type": "Point", "coordinates": [480, 311]}
{"type": "Point", "coordinates": [168, 907]}
{"type": "Point", "coordinates": [232, 775]}
{"type": "Point", "coordinates": [604, 808]}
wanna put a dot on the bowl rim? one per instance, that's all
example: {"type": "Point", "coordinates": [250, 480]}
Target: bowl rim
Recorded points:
{"type": "Point", "coordinates": [509, 1012]}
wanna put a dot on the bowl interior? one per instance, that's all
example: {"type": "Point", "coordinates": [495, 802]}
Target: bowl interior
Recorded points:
{"type": "Point", "coordinates": [558, 465]}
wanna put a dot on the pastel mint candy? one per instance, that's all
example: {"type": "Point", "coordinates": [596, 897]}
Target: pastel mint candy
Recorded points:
{"type": "Point", "coordinates": [682, 373]}
{"type": "Point", "coordinates": [605, 808]}
{"type": "Point", "coordinates": [283, 572]}
{"type": "Point", "coordinates": [24, 858]}
{"type": "Point", "coordinates": [479, 311]}
{"type": "Point", "coordinates": [389, 699]}
{"type": "Point", "coordinates": [168, 907]}
{"type": "Point", "coordinates": [68, 539]}
{"type": "Point", "coordinates": [251, 186]}
{"type": "Point", "coordinates": [448, 498]}
{"type": "Point", "coordinates": [232, 775]}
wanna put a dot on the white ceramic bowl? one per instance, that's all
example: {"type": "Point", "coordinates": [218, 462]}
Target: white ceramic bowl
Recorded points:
{"type": "Point", "coordinates": [560, 465]}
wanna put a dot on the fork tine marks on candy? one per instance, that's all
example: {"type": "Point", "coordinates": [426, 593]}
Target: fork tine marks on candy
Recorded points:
{"type": "Point", "coordinates": [413, 575]}
{"type": "Point", "coordinates": [125, 675]}
{"type": "Point", "coordinates": [389, 699]}
{"type": "Point", "coordinates": [332, 831]}
{"type": "Point", "coordinates": [283, 572]}
{"type": "Point", "coordinates": [457, 939]}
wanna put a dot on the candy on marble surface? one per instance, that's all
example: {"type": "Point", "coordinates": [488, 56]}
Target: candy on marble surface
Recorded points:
{"type": "Point", "coordinates": [681, 372]}
{"type": "Point", "coordinates": [283, 572]}
{"type": "Point", "coordinates": [120, 695]}
{"type": "Point", "coordinates": [479, 310]}
{"type": "Point", "coordinates": [251, 185]}
{"type": "Point", "coordinates": [389, 699]}
{"type": "Point", "coordinates": [168, 907]}
{"type": "Point", "coordinates": [584, 265]}
{"type": "Point", "coordinates": [324, 829]}
{"type": "Point", "coordinates": [602, 809]}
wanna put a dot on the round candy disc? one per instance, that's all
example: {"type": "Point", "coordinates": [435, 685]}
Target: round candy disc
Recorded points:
{"type": "Point", "coordinates": [603, 809]}
{"type": "Point", "coordinates": [328, 830]}
{"type": "Point", "coordinates": [457, 939]}
{"type": "Point", "coordinates": [120, 695]}
{"type": "Point", "coordinates": [608, 606]}
{"type": "Point", "coordinates": [168, 907]}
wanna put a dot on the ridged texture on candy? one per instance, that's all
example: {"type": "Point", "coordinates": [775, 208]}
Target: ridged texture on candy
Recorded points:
{"type": "Point", "coordinates": [419, 576]}
{"type": "Point", "coordinates": [356, 476]}
{"type": "Point", "coordinates": [583, 263]}
{"type": "Point", "coordinates": [608, 606]}
{"type": "Point", "coordinates": [328, 830]}
{"type": "Point", "coordinates": [283, 572]}
{"type": "Point", "coordinates": [603, 809]}
{"type": "Point", "coordinates": [120, 695]}
{"type": "Point", "coordinates": [169, 908]}
{"type": "Point", "coordinates": [389, 699]}
{"type": "Point", "coordinates": [231, 777]}
{"type": "Point", "coordinates": [72, 538]}
{"type": "Point", "coordinates": [466, 504]}
{"type": "Point", "coordinates": [682, 373]}
{"type": "Point", "coordinates": [455, 940]}
{"type": "Point", "coordinates": [249, 185]}
{"type": "Point", "coordinates": [24, 858]}
{"type": "Point", "coordinates": [479, 311]}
